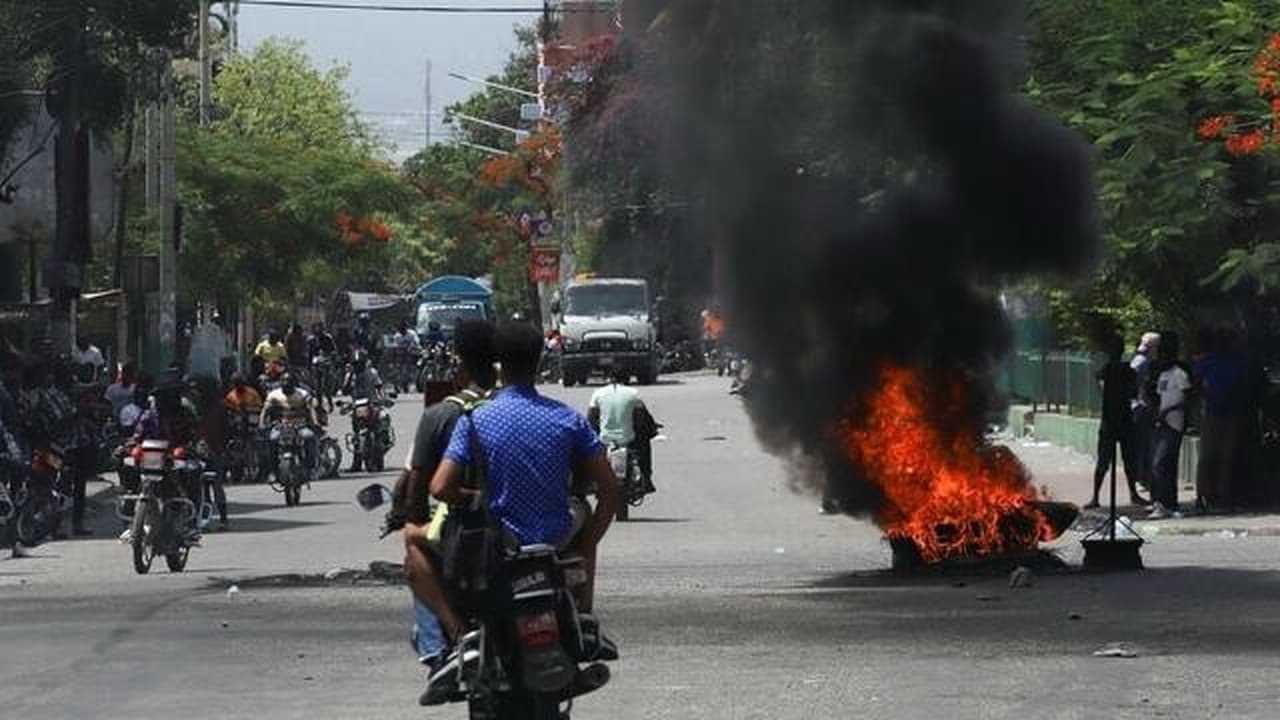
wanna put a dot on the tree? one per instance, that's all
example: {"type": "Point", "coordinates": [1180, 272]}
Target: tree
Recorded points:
{"type": "Point", "coordinates": [274, 226]}
{"type": "Point", "coordinates": [276, 94]}
{"type": "Point", "coordinates": [1136, 78]}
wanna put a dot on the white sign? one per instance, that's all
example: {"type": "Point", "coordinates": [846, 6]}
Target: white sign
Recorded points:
{"type": "Point", "coordinates": [531, 112]}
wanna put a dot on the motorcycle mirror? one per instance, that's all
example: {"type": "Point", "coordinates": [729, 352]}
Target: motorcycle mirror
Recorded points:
{"type": "Point", "coordinates": [372, 497]}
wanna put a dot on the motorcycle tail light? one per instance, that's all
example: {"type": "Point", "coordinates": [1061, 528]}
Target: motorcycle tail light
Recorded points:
{"type": "Point", "coordinates": [136, 454]}
{"type": "Point", "coordinates": [180, 454]}
{"type": "Point", "coordinates": [538, 629]}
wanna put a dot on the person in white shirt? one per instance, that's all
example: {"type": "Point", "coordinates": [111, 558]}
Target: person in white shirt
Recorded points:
{"type": "Point", "coordinates": [85, 353]}
{"type": "Point", "coordinates": [1173, 386]}
{"type": "Point", "coordinates": [618, 413]}
{"type": "Point", "coordinates": [209, 346]}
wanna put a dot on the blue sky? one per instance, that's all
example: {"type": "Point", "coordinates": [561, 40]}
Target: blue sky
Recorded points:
{"type": "Point", "coordinates": [387, 53]}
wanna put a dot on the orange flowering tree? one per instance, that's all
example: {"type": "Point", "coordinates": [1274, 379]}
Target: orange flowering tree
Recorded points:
{"type": "Point", "coordinates": [1178, 99]}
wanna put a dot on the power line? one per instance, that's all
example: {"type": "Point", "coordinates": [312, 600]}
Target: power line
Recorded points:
{"type": "Point", "coordinates": [460, 9]}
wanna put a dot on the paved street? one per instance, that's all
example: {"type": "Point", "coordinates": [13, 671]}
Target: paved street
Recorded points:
{"type": "Point", "coordinates": [729, 596]}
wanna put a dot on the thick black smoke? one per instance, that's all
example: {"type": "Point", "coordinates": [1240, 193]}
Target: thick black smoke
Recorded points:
{"type": "Point", "coordinates": [869, 178]}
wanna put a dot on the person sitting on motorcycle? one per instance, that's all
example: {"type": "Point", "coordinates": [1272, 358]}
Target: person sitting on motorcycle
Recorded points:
{"type": "Point", "coordinates": [291, 404]}
{"type": "Point", "coordinates": [243, 401]}
{"type": "Point", "coordinates": [435, 335]}
{"type": "Point", "coordinates": [271, 349]}
{"type": "Point", "coordinates": [362, 383]}
{"type": "Point", "coordinates": [321, 342]}
{"type": "Point", "coordinates": [618, 413]}
{"type": "Point", "coordinates": [366, 339]}
{"type": "Point", "coordinates": [295, 347]}
{"type": "Point", "coordinates": [532, 448]}
{"type": "Point", "coordinates": [173, 418]}
{"type": "Point", "coordinates": [474, 380]}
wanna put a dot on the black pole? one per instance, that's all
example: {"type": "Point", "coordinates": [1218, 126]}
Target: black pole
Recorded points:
{"type": "Point", "coordinates": [1114, 455]}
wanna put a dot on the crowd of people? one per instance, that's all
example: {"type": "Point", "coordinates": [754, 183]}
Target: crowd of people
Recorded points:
{"type": "Point", "coordinates": [1153, 399]}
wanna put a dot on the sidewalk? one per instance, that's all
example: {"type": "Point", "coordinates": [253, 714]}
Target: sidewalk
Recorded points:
{"type": "Point", "coordinates": [1065, 474]}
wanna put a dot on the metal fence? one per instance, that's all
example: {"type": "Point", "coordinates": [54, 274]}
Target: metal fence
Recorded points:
{"type": "Point", "coordinates": [1057, 380]}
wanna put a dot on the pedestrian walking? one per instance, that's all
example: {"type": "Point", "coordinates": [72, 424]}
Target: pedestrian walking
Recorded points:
{"type": "Point", "coordinates": [1144, 419]}
{"type": "Point", "coordinates": [1172, 390]}
{"type": "Point", "coordinates": [1222, 378]}
{"type": "Point", "coordinates": [1119, 391]}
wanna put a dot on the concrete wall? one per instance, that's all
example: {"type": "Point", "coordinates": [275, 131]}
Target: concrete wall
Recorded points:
{"type": "Point", "coordinates": [1081, 435]}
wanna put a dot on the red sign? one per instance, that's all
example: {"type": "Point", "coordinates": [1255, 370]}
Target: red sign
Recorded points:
{"type": "Point", "coordinates": [544, 265]}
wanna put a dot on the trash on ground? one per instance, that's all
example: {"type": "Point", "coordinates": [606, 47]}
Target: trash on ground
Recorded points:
{"type": "Point", "coordinates": [1020, 577]}
{"type": "Point", "coordinates": [233, 592]}
{"type": "Point", "coordinates": [1115, 651]}
{"type": "Point", "coordinates": [1075, 616]}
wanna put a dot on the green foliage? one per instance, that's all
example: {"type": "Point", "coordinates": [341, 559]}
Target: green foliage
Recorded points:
{"type": "Point", "coordinates": [261, 217]}
{"type": "Point", "coordinates": [276, 94]}
{"type": "Point", "coordinates": [1135, 76]}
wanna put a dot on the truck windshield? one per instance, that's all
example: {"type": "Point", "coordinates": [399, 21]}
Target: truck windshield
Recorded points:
{"type": "Point", "coordinates": [447, 316]}
{"type": "Point", "coordinates": [606, 300]}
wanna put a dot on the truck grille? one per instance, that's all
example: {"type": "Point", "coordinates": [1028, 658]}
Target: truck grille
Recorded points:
{"type": "Point", "coordinates": [604, 345]}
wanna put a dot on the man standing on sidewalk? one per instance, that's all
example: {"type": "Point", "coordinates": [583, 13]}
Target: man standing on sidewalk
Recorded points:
{"type": "Point", "coordinates": [1173, 384]}
{"type": "Point", "coordinates": [1119, 390]}
{"type": "Point", "coordinates": [1144, 419]}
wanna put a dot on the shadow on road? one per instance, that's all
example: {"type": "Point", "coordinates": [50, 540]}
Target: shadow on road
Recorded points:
{"type": "Point", "coordinates": [641, 520]}
{"type": "Point", "coordinates": [262, 525]}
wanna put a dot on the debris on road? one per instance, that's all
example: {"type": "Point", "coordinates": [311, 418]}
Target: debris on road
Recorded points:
{"type": "Point", "coordinates": [1021, 577]}
{"type": "Point", "coordinates": [1115, 651]}
{"type": "Point", "coordinates": [233, 592]}
{"type": "Point", "coordinates": [1075, 616]}
{"type": "Point", "coordinates": [988, 598]}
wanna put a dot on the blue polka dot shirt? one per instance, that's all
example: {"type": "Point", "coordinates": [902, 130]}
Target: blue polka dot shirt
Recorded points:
{"type": "Point", "coordinates": [530, 443]}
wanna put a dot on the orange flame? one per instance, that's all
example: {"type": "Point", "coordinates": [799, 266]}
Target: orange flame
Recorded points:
{"type": "Point", "coordinates": [943, 489]}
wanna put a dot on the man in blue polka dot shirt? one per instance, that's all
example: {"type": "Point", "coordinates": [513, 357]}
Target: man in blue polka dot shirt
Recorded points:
{"type": "Point", "coordinates": [532, 447]}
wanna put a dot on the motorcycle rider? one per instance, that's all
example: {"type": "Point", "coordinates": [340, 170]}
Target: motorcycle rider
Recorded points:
{"type": "Point", "coordinates": [291, 404]}
{"type": "Point", "coordinates": [618, 413]}
{"type": "Point", "coordinates": [532, 446]}
{"type": "Point", "coordinates": [174, 418]}
{"type": "Point", "coordinates": [362, 382]}
{"type": "Point", "coordinates": [407, 346]}
{"type": "Point", "coordinates": [474, 380]}
{"type": "Point", "coordinates": [320, 344]}
{"type": "Point", "coordinates": [365, 339]}
{"type": "Point", "coordinates": [271, 349]}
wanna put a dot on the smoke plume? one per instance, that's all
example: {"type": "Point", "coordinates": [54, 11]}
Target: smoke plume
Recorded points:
{"type": "Point", "coordinates": [869, 178]}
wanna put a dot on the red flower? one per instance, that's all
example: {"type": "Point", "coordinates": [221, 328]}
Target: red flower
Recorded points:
{"type": "Point", "coordinates": [1212, 127]}
{"type": "Point", "coordinates": [1249, 143]}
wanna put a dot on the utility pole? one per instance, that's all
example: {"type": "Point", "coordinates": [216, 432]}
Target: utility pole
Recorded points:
{"type": "Point", "coordinates": [427, 88]}
{"type": "Point", "coordinates": [206, 62]}
{"type": "Point", "coordinates": [161, 191]}
{"type": "Point", "coordinates": [70, 235]}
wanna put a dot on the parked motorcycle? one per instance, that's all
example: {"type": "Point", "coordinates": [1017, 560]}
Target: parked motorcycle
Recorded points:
{"type": "Point", "coordinates": [531, 654]}
{"type": "Point", "coordinates": [162, 518]}
{"type": "Point", "coordinates": [372, 435]}
{"type": "Point", "coordinates": [293, 466]}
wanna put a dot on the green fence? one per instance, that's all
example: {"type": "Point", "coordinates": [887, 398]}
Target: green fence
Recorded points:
{"type": "Point", "coordinates": [1057, 380]}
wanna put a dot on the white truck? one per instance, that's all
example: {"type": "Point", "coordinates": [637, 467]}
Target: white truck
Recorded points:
{"type": "Point", "coordinates": [605, 324]}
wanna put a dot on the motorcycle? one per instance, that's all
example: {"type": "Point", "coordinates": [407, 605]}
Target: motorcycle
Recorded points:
{"type": "Point", "coordinates": [42, 497]}
{"type": "Point", "coordinates": [293, 468]}
{"type": "Point", "coordinates": [626, 467]}
{"type": "Point", "coordinates": [161, 516]}
{"type": "Point", "coordinates": [534, 653]}
{"type": "Point", "coordinates": [372, 434]}
{"type": "Point", "coordinates": [324, 379]}
{"type": "Point", "coordinates": [244, 449]}
{"type": "Point", "coordinates": [434, 365]}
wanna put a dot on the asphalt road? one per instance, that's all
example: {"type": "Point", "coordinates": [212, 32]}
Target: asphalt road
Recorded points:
{"type": "Point", "coordinates": [729, 595]}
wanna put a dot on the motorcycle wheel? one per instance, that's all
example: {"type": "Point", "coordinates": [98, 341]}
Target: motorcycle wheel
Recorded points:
{"type": "Point", "coordinates": [35, 521]}
{"type": "Point", "coordinates": [292, 494]}
{"type": "Point", "coordinates": [624, 510]}
{"type": "Point", "coordinates": [376, 461]}
{"type": "Point", "coordinates": [177, 561]}
{"type": "Point", "coordinates": [330, 458]}
{"type": "Point", "coordinates": [142, 552]}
